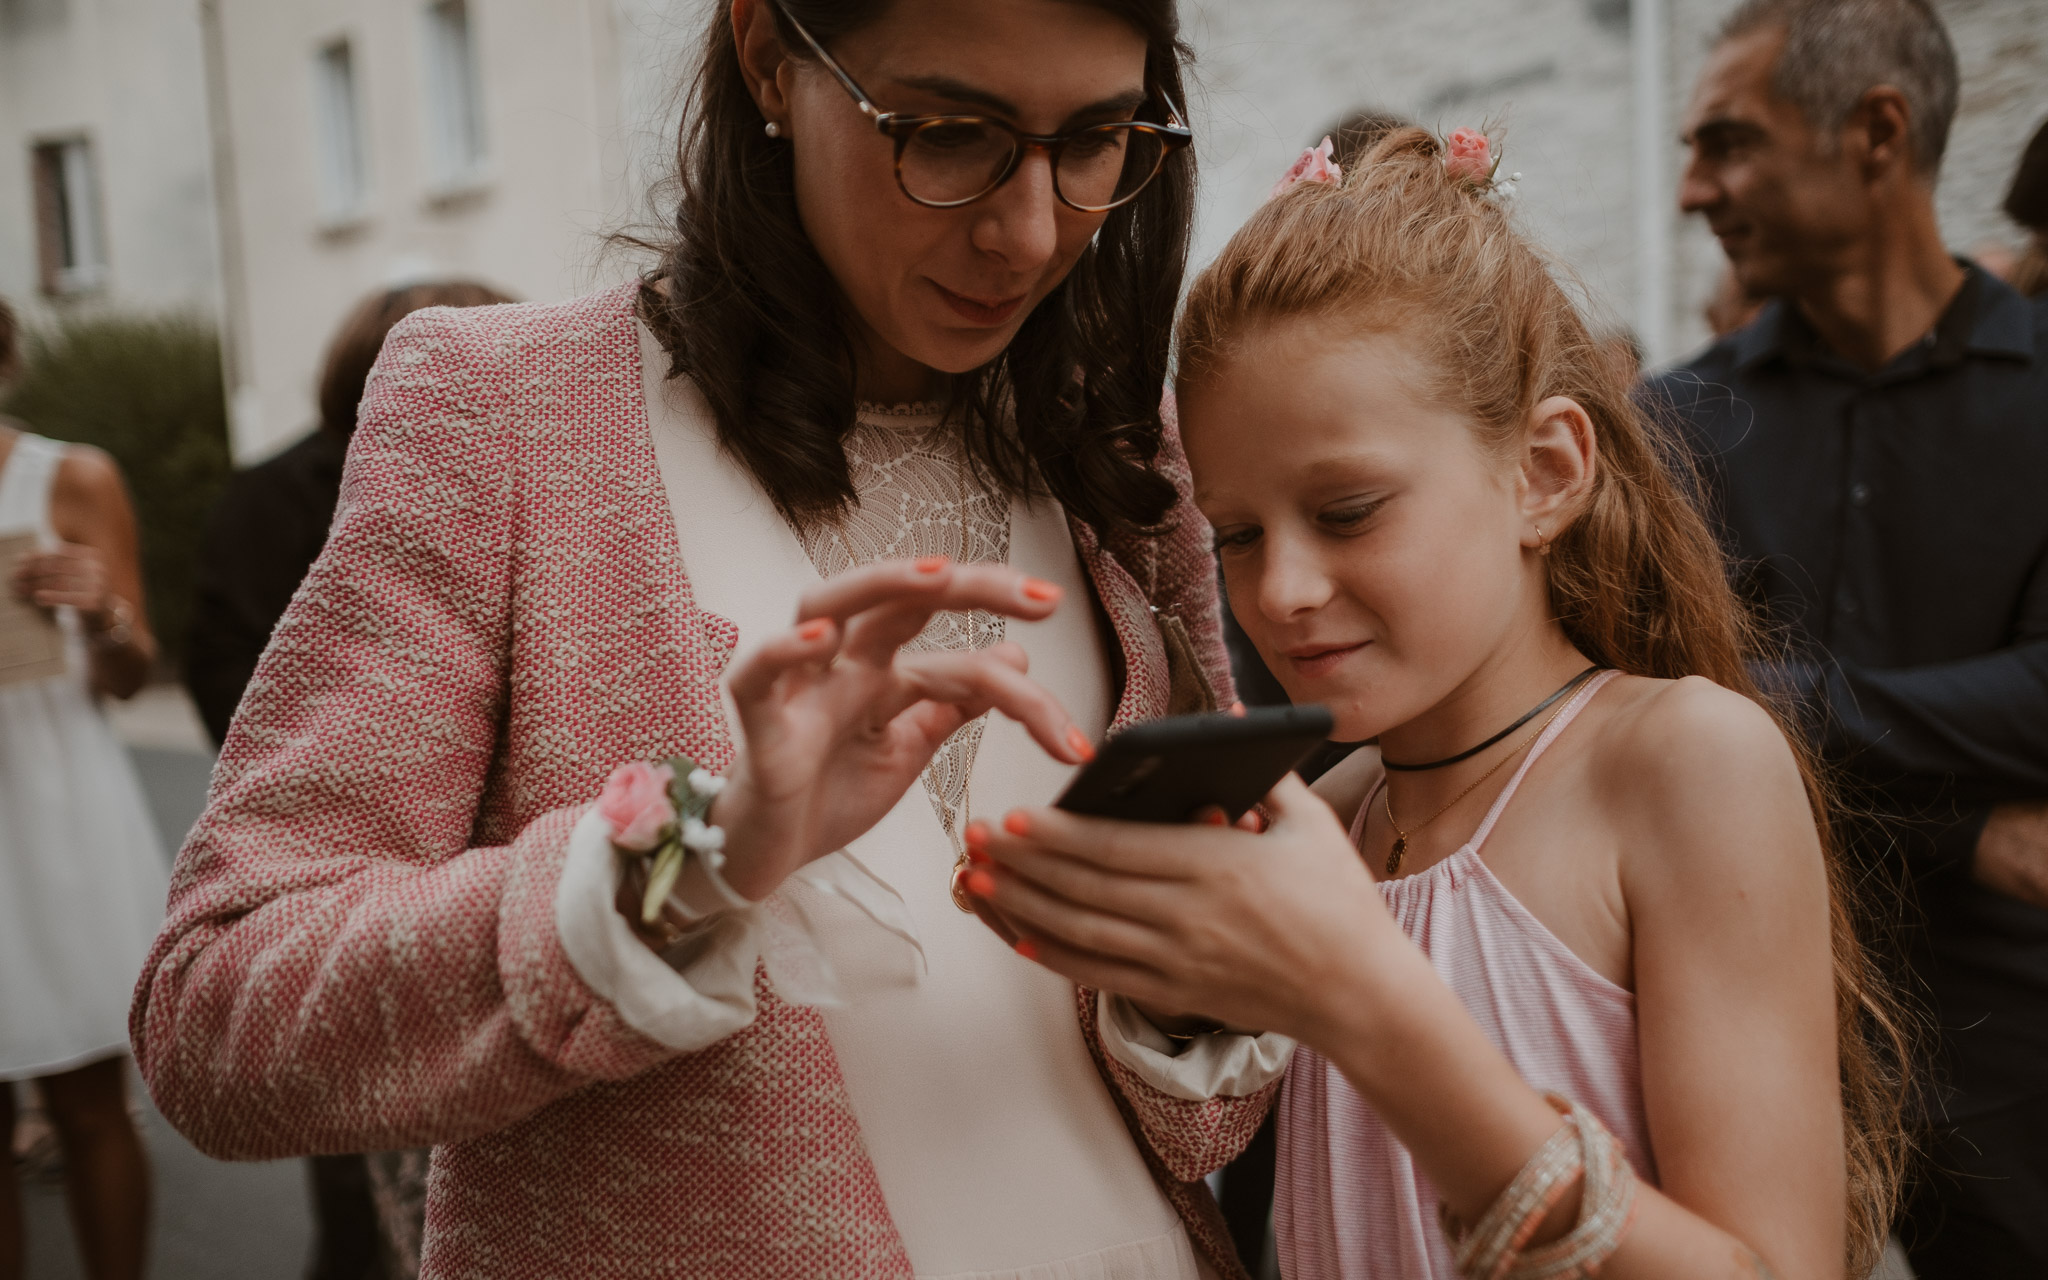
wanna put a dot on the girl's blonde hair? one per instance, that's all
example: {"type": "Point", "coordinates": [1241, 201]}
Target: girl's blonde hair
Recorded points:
{"type": "Point", "coordinates": [1636, 577]}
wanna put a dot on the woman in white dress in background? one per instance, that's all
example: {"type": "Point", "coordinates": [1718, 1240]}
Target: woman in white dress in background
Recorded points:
{"type": "Point", "coordinates": [82, 876]}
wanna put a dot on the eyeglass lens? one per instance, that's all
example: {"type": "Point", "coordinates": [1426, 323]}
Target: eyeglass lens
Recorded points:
{"type": "Point", "coordinates": [956, 160]}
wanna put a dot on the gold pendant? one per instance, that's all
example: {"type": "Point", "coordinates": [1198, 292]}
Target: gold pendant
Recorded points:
{"type": "Point", "coordinates": [1394, 857]}
{"type": "Point", "coordinates": [960, 885]}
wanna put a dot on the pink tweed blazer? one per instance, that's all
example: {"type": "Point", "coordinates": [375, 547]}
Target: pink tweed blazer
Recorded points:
{"type": "Point", "coordinates": [361, 950]}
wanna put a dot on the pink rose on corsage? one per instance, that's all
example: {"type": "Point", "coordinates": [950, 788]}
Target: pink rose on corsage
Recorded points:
{"type": "Point", "coordinates": [635, 804]}
{"type": "Point", "coordinates": [1314, 165]}
{"type": "Point", "coordinates": [1468, 155]}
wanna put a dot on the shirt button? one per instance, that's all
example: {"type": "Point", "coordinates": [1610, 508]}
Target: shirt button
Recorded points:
{"type": "Point", "coordinates": [1859, 494]}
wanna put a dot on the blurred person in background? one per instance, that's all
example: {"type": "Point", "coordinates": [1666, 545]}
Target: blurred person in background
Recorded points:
{"type": "Point", "coordinates": [265, 533]}
{"type": "Point", "coordinates": [1732, 306]}
{"type": "Point", "coordinates": [776, 512]}
{"type": "Point", "coordinates": [82, 877]}
{"type": "Point", "coordinates": [2027, 204]}
{"type": "Point", "coordinates": [1875, 446]}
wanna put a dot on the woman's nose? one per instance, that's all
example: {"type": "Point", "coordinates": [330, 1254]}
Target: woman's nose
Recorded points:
{"type": "Point", "coordinates": [1019, 221]}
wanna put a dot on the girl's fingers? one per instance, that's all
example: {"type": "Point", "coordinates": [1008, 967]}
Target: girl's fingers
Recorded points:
{"type": "Point", "coordinates": [813, 644]}
{"type": "Point", "coordinates": [982, 681]}
{"type": "Point", "coordinates": [1155, 849]}
{"type": "Point", "coordinates": [1037, 912]}
{"type": "Point", "coordinates": [1132, 897]}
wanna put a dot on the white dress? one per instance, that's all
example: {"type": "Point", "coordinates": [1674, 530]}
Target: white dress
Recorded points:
{"type": "Point", "coordinates": [82, 876]}
{"type": "Point", "coordinates": [999, 1149]}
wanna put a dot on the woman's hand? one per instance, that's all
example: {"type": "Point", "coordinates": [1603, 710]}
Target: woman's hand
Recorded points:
{"type": "Point", "coordinates": [1265, 930]}
{"type": "Point", "coordinates": [839, 722]}
{"type": "Point", "coordinates": [74, 576]}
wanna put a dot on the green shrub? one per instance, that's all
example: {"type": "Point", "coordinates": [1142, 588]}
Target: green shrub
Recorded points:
{"type": "Point", "coordinates": [148, 391]}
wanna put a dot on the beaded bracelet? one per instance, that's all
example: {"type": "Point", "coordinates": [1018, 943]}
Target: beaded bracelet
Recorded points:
{"type": "Point", "coordinates": [1581, 1151]}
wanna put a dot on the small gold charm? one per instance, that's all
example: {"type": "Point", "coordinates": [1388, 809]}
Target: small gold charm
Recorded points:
{"type": "Point", "coordinates": [960, 885]}
{"type": "Point", "coordinates": [1394, 857]}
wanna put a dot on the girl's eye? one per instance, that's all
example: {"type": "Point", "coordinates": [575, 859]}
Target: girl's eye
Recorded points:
{"type": "Point", "coordinates": [1349, 517]}
{"type": "Point", "coordinates": [1235, 537]}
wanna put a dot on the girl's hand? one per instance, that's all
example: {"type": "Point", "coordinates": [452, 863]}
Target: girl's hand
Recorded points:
{"type": "Point", "coordinates": [1275, 931]}
{"type": "Point", "coordinates": [72, 575]}
{"type": "Point", "coordinates": [838, 722]}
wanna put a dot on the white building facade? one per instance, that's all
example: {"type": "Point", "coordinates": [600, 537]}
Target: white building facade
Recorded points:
{"type": "Point", "coordinates": [361, 143]}
{"type": "Point", "coordinates": [105, 200]}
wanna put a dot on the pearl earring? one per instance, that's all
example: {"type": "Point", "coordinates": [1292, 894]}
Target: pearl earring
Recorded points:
{"type": "Point", "coordinates": [772, 129]}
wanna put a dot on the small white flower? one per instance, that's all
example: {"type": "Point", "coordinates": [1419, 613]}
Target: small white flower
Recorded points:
{"type": "Point", "coordinates": [702, 838]}
{"type": "Point", "coordinates": [704, 784]}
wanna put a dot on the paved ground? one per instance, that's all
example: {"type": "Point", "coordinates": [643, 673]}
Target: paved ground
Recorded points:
{"type": "Point", "coordinates": [213, 1221]}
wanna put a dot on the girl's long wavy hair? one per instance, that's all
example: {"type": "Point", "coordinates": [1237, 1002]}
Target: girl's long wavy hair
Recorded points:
{"type": "Point", "coordinates": [1636, 578]}
{"type": "Point", "coordinates": [749, 311]}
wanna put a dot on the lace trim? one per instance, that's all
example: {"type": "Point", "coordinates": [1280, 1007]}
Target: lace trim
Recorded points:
{"type": "Point", "coordinates": [917, 494]}
{"type": "Point", "coordinates": [906, 409]}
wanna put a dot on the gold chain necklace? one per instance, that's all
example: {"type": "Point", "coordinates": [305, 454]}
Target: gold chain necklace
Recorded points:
{"type": "Point", "coordinates": [1400, 848]}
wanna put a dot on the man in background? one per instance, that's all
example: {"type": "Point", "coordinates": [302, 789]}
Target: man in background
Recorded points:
{"type": "Point", "coordinates": [265, 533]}
{"type": "Point", "coordinates": [1875, 446]}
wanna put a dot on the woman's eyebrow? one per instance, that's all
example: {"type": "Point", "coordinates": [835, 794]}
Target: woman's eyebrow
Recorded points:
{"type": "Point", "coordinates": [1119, 104]}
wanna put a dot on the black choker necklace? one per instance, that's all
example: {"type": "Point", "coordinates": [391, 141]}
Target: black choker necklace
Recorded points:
{"type": "Point", "coordinates": [1533, 712]}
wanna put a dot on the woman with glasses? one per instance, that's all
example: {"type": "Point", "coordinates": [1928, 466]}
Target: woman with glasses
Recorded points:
{"type": "Point", "coordinates": [875, 449]}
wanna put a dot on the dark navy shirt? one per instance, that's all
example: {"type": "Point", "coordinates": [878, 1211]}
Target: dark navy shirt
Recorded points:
{"type": "Point", "coordinates": [1893, 527]}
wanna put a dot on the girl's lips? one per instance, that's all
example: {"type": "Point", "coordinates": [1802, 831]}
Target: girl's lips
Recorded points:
{"type": "Point", "coordinates": [1320, 662]}
{"type": "Point", "coordinates": [978, 311]}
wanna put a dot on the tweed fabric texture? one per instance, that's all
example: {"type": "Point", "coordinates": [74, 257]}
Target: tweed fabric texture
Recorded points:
{"type": "Point", "coordinates": [360, 951]}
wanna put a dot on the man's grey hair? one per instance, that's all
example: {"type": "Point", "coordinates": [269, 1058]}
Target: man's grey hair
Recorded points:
{"type": "Point", "coordinates": [1838, 50]}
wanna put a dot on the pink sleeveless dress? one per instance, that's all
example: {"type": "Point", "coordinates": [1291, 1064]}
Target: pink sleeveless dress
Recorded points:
{"type": "Point", "coordinates": [1350, 1202]}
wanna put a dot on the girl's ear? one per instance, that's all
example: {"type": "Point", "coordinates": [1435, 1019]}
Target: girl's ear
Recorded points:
{"type": "Point", "coordinates": [1558, 457]}
{"type": "Point", "coordinates": [762, 60]}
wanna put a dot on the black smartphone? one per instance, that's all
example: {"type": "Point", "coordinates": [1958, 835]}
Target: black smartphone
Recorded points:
{"type": "Point", "coordinates": [1166, 770]}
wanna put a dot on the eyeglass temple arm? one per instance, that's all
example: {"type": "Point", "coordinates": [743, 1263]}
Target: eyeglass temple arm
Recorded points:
{"type": "Point", "coordinates": [860, 96]}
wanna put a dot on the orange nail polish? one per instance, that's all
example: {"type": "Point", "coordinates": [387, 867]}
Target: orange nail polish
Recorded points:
{"type": "Point", "coordinates": [1027, 948]}
{"type": "Point", "coordinates": [980, 883]}
{"type": "Point", "coordinates": [1237, 709]}
{"type": "Point", "coordinates": [1016, 823]}
{"type": "Point", "coordinates": [1215, 818]}
{"type": "Point", "coordinates": [1079, 742]}
{"type": "Point", "coordinates": [979, 858]}
{"type": "Point", "coordinates": [814, 629]}
{"type": "Point", "coordinates": [976, 836]}
{"type": "Point", "coordinates": [931, 564]}
{"type": "Point", "coordinates": [1040, 589]}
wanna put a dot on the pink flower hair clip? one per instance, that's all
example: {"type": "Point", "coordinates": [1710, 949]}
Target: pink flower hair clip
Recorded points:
{"type": "Point", "coordinates": [1313, 165]}
{"type": "Point", "coordinates": [1468, 155]}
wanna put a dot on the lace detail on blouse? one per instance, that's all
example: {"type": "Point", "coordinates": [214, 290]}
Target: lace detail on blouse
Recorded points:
{"type": "Point", "coordinates": [918, 496]}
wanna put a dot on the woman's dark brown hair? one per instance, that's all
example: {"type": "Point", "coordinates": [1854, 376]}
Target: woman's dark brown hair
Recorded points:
{"type": "Point", "coordinates": [362, 335]}
{"type": "Point", "coordinates": [744, 305]}
{"type": "Point", "coordinates": [1637, 579]}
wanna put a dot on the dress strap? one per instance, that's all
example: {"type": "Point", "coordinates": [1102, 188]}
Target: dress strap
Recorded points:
{"type": "Point", "coordinates": [1549, 735]}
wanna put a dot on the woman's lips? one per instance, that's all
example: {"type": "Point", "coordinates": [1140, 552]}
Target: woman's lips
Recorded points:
{"type": "Point", "coordinates": [1320, 660]}
{"type": "Point", "coordinates": [980, 311]}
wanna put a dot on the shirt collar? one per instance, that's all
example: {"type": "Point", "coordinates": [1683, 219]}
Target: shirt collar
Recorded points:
{"type": "Point", "coordinates": [1986, 317]}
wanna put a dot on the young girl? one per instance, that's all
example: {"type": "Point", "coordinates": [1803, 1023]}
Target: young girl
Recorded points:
{"type": "Point", "coordinates": [1570, 963]}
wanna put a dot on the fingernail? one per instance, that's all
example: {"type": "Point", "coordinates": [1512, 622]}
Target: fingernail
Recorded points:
{"type": "Point", "coordinates": [980, 883]}
{"type": "Point", "coordinates": [979, 858]}
{"type": "Point", "coordinates": [815, 629]}
{"type": "Point", "coordinates": [1214, 817]}
{"type": "Point", "coordinates": [1016, 823]}
{"type": "Point", "coordinates": [931, 564]}
{"type": "Point", "coordinates": [1237, 708]}
{"type": "Point", "coordinates": [1079, 742]}
{"type": "Point", "coordinates": [976, 836]}
{"type": "Point", "coordinates": [1027, 948]}
{"type": "Point", "coordinates": [1040, 589]}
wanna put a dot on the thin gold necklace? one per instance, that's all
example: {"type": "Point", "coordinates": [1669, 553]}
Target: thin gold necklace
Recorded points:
{"type": "Point", "coordinates": [1401, 837]}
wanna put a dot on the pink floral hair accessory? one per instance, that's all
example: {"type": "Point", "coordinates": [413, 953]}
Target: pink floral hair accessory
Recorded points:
{"type": "Point", "coordinates": [1468, 155]}
{"type": "Point", "coordinates": [1314, 165]}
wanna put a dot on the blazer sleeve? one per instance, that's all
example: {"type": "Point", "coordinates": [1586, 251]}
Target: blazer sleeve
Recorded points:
{"type": "Point", "coordinates": [339, 969]}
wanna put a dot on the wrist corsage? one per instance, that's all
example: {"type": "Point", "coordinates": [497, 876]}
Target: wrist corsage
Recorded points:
{"type": "Point", "coordinates": [657, 812]}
